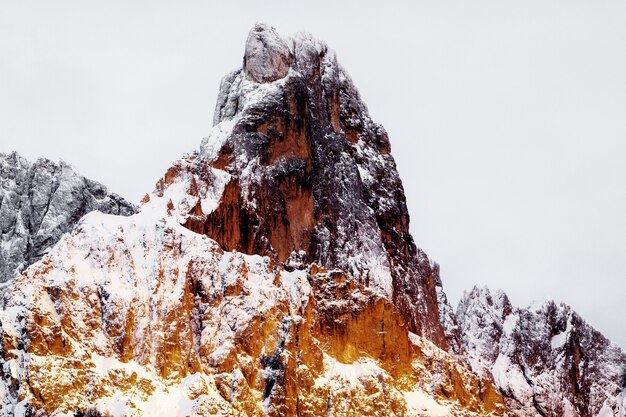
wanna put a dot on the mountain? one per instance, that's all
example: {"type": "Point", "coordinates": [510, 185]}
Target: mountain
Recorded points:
{"type": "Point", "coordinates": [545, 359]}
{"type": "Point", "coordinates": [39, 202]}
{"type": "Point", "coordinates": [270, 272]}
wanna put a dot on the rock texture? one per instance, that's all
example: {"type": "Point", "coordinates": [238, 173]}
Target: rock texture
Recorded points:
{"type": "Point", "coordinates": [268, 57]}
{"type": "Point", "coordinates": [545, 359]}
{"type": "Point", "coordinates": [448, 319]}
{"type": "Point", "coordinates": [38, 203]}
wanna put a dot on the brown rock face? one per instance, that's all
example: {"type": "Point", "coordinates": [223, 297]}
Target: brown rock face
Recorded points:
{"type": "Point", "coordinates": [353, 322]}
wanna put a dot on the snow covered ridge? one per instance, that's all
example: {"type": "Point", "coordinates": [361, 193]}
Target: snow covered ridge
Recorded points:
{"type": "Point", "coordinates": [545, 359]}
{"type": "Point", "coordinates": [39, 202]}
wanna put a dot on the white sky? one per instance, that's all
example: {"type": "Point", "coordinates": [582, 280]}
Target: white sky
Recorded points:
{"type": "Point", "coordinates": [507, 119]}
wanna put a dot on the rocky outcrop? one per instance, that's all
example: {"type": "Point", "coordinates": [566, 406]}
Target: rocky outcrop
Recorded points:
{"type": "Point", "coordinates": [39, 202]}
{"type": "Point", "coordinates": [545, 359]}
{"type": "Point", "coordinates": [481, 315]}
{"type": "Point", "coordinates": [267, 57]}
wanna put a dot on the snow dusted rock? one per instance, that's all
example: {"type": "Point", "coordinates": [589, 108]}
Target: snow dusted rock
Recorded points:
{"type": "Point", "coordinates": [140, 316]}
{"type": "Point", "coordinates": [267, 56]}
{"type": "Point", "coordinates": [272, 273]}
{"type": "Point", "coordinates": [482, 316]}
{"type": "Point", "coordinates": [621, 399]}
{"type": "Point", "coordinates": [38, 203]}
{"type": "Point", "coordinates": [545, 359]}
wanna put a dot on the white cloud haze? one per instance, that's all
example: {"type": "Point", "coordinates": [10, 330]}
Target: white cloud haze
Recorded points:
{"type": "Point", "coordinates": [507, 119]}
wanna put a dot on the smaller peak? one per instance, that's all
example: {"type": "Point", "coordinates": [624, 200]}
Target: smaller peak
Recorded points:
{"type": "Point", "coordinates": [477, 291]}
{"type": "Point", "coordinates": [484, 295]}
{"type": "Point", "coordinates": [13, 155]}
{"type": "Point", "coordinates": [307, 38]}
{"type": "Point", "coordinates": [540, 304]}
{"type": "Point", "coordinates": [17, 160]}
{"type": "Point", "coordinates": [267, 57]}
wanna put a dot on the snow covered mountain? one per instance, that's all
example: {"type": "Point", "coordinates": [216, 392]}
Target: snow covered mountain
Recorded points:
{"type": "Point", "coordinates": [269, 273]}
{"type": "Point", "coordinates": [545, 359]}
{"type": "Point", "coordinates": [272, 273]}
{"type": "Point", "coordinates": [38, 203]}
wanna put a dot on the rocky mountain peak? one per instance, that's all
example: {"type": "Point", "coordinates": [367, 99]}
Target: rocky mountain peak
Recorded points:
{"type": "Point", "coordinates": [484, 299]}
{"type": "Point", "coordinates": [300, 169]}
{"type": "Point", "coordinates": [272, 273]}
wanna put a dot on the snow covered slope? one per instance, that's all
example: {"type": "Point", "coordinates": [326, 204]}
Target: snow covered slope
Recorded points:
{"type": "Point", "coordinates": [545, 359]}
{"type": "Point", "coordinates": [140, 316]}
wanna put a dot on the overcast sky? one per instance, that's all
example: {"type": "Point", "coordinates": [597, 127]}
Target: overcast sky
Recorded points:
{"type": "Point", "coordinates": [507, 119]}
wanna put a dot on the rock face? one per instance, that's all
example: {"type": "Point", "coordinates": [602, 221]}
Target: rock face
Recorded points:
{"type": "Point", "coordinates": [142, 315]}
{"type": "Point", "coordinates": [38, 203]}
{"type": "Point", "coordinates": [267, 57]}
{"type": "Point", "coordinates": [545, 359]}
{"type": "Point", "coordinates": [448, 319]}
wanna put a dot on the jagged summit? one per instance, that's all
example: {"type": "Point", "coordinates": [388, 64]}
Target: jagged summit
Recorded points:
{"type": "Point", "coordinates": [272, 273]}
{"type": "Point", "coordinates": [267, 57]}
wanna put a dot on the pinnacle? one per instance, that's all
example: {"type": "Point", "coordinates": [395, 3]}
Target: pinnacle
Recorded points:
{"type": "Point", "coordinates": [267, 57]}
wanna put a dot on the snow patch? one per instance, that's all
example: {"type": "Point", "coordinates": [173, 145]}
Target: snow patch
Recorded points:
{"type": "Point", "coordinates": [559, 340]}
{"type": "Point", "coordinates": [421, 403]}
